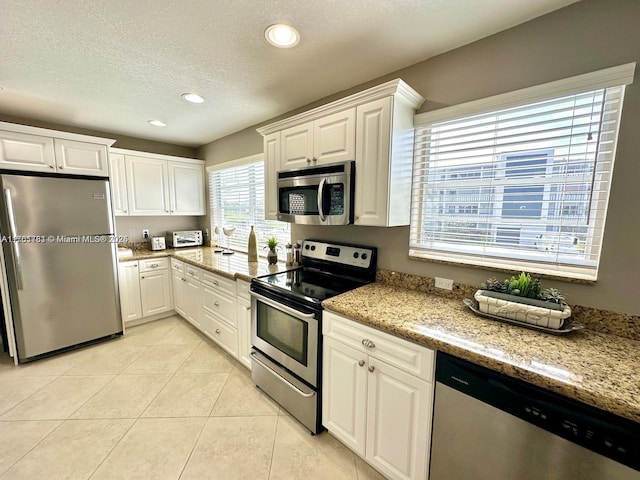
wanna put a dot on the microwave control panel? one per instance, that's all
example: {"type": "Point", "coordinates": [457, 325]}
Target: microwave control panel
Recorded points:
{"type": "Point", "coordinates": [342, 254]}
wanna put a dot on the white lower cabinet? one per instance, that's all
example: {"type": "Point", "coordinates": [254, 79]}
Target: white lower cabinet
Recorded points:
{"type": "Point", "coordinates": [145, 288]}
{"type": "Point", "coordinates": [378, 396]}
{"type": "Point", "coordinates": [129, 285]}
{"type": "Point", "coordinates": [155, 287]}
{"type": "Point", "coordinates": [244, 323]}
{"type": "Point", "coordinates": [209, 302]}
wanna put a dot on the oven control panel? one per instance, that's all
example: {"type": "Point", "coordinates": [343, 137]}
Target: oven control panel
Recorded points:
{"type": "Point", "coordinates": [353, 256]}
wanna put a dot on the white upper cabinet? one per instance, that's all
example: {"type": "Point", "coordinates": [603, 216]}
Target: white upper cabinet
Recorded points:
{"type": "Point", "coordinates": [81, 158]}
{"type": "Point", "coordinates": [326, 140]}
{"type": "Point", "coordinates": [118, 184]}
{"type": "Point", "coordinates": [186, 192]}
{"type": "Point", "coordinates": [26, 152]}
{"type": "Point", "coordinates": [149, 184]}
{"type": "Point", "coordinates": [38, 150]}
{"type": "Point", "coordinates": [374, 128]}
{"type": "Point", "coordinates": [271, 162]}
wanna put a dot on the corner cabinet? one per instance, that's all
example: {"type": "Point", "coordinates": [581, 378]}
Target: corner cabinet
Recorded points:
{"type": "Point", "coordinates": [149, 184]}
{"type": "Point", "coordinates": [374, 128]}
{"type": "Point", "coordinates": [39, 150]}
{"type": "Point", "coordinates": [378, 396]}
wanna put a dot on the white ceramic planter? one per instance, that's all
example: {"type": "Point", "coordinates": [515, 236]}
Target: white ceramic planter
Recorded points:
{"type": "Point", "coordinates": [543, 317]}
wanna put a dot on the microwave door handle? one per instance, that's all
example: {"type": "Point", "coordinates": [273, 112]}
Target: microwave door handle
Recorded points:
{"type": "Point", "coordinates": [320, 195]}
{"type": "Point", "coordinates": [13, 231]}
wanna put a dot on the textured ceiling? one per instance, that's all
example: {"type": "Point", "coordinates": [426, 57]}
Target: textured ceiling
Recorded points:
{"type": "Point", "coordinates": [111, 65]}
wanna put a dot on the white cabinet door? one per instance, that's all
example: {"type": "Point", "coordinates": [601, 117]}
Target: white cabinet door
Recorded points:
{"type": "Point", "coordinates": [244, 332]}
{"type": "Point", "coordinates": [186, 188]}
{"type": "Point", "coordinates": [296, 149]}
{"type": "Point", "coordinates": [118, 181]}
{"type": "Point", "coordinates": [271, 166]}
{"type": "Point", "coordinates": [155, 291]}
{"type": "Point", "coordinates": [81, 158]}
{"type": "Point", "coordinates": [398, 421]}
{"type": "Point", "coordinates": [129, 286]}
{"type": "Point", "coordinates": [147, 186]}
{"type": "Point", "coordinates": [373, 147]}
{"type": "Point", "coordinates": [334, 138]}
{"type": "Point", "coordinates": [20, 151]}
{"type": "Point", "coordinates": [179, 289]}
{"type": "Point", "coordinates": [344, 402]}
{"type": "Point", "coordinates": [193, 302]}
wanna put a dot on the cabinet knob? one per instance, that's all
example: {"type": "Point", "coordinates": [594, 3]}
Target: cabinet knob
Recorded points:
{"type": "Point", "coordinates": [183, 279]}
{"type": "Point", "coordinates": [142, 278]}
{"type": "Point", "coordinates": [215, 282]}
{"type": "Point", "coordinates": [60, 168]}
{"type": "Point", "coordinates": [51, 166]}
{"type": "Point", "coordinates": [216, 304]}
{"type": "Point", "coordinates": [124, 211]}
{"type": "Point", "coordinates": [371, 368]}
{"type": "Point", "coordinates": [218, 331]}
{"type": "Point", "coordinates": [368, 343]}
{"type": "Point", "coordinates": [308, 160]}
{"type": "Point", "coordinates": [361, 363]}
{"type": "Point", "coordinates": [314, 159]}
{"type": "Point", "coordinates": [154, 265]}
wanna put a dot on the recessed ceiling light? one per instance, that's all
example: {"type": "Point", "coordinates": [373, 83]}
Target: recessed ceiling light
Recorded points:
{"type": "Point", "coordinates": [192, 97]}
{"type": "Point", "coordinates": [157, 123]}
{"type": "Point", "coordinates": [282, 36]}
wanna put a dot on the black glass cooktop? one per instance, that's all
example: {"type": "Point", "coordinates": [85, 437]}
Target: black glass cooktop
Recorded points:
{"type": "Point", "coordinates": [308, 284]}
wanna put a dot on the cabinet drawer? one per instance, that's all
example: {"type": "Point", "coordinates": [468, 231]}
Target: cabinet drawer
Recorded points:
{"type": "Point", "coordinates": [177, 265]}
{"type": "Point", "coordinates": [154, 264]}
{"type": "Point", "coordinates": [223, 334]}
{"type": "Point", "coordinates": [408, 356]}
{"type": "Point", "coordinates": [242, 289]}
{"type": "Point", "coordinates": [220, 304]}
{"type": "Point", "coordinates": [192, 272]}
{"type": "Point", "coordinates": [219, 283]}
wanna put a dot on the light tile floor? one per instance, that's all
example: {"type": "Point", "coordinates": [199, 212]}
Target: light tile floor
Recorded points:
{"type": "Point", "coordinates": [162, 402]}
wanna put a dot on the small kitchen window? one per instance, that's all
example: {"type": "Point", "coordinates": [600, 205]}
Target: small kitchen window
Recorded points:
{"type": "Point", "coordinates": [519, 181]}
{"type": "Point", "coordinates": [236, 197]}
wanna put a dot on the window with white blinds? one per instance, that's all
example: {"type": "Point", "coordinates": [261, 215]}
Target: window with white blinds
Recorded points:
{"type": "Point", "coordinates": [236, 195]}
{"type": "Point", "coordinates": [521, 187]}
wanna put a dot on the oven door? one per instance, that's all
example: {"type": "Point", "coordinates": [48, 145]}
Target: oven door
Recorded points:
{"type": "Point", "coordinates": [287, 335]}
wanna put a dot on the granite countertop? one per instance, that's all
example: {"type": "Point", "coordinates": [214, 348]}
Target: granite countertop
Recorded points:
{"type": "Point", "coordinates": [596, 368]}
{"type": "Point", "coordinates": [236, 266]}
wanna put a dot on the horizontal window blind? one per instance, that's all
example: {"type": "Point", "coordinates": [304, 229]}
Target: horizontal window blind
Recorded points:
{"type": "Point", "coordinates": [237, 200]}
{"type": "Point", "coordinates": [518, 188]}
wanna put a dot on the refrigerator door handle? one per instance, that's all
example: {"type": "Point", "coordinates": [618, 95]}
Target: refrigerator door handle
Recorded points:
{"type": "Point", "coordinates": [13, 241]}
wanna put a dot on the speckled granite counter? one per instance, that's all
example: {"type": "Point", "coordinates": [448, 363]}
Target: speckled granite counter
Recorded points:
{"type": "Point", "coordinates": [230, 266]}
{"type": "Point", "coordinates": [596, 368]}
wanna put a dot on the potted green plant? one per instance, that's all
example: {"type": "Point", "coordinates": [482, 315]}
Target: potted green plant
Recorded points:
{"type": "Point", "coordinates": [522, 298]}
{"type": "Point", "coordinates": [272, 255]}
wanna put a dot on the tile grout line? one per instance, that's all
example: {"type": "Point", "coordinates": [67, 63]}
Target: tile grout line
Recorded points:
{"type": "Point", "coordinates": [273, 447]}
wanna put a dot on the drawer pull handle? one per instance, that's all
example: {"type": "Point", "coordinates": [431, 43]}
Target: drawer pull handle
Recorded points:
{"type": "Point", "coordinates": [361, 363]}
{"type": "Point", "coordinates": [368, 343]}
{"type": "Point", "coordinates": [154, 265]}
{"type": "Point", "coordinates": [371, 368]}
{"type": "Point", "coordinates": [183, 279]}
{"type": "Point", "coordinates": [218, 331]}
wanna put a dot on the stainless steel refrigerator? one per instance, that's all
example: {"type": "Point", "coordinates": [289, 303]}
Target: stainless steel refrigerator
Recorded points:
{"type": "Point", "coordinates": [60, 261]}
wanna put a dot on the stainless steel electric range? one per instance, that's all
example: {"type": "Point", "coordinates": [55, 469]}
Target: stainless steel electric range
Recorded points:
{"type": "Point", "coordinates": [286, 324]}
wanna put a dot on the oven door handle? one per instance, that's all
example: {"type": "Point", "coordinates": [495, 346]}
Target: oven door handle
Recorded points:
{"type": "Point", "coordinates": [320, 197]}
{"type": "Point", "coordinates": [283, 308]}
{"type": "Point", "coordinates": [254, 357]}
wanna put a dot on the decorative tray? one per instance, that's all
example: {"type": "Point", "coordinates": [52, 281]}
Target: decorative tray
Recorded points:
{"type": "Point", "coordinates": [568, 327]}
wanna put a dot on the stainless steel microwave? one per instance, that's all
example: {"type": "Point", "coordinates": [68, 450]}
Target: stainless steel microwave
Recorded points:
{"type": "Point", "coordinates": [321, 195]}
{"type": "Point", "coordinates": [184, 238]}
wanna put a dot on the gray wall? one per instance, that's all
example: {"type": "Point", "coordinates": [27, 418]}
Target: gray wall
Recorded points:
{"type": "Point", "coordinates": [583, 37]}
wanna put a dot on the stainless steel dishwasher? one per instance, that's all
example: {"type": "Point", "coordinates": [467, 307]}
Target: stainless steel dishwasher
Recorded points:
{"type": "Point", "coordinates": [488, 426]}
